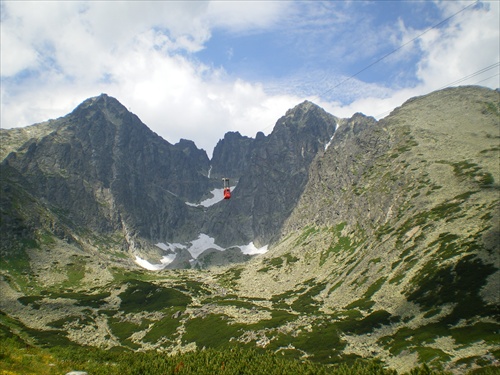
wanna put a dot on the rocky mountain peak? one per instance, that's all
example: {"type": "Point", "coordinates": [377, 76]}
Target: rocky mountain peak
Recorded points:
{"type": "Point", "coordinates": [273, 171]}
{"type": "Point", "coordinates": [303, 107]}
{"type": "Point", "coordinates": [107, 172]}
{"type": "Point", "coordinates": [101, 101]}
{"type": "Point", "coordinates": [105, 109]}
{"type": "Point", "coordinates": [231, 155]}
{"type": "Point", "coordinates": [303, 114]}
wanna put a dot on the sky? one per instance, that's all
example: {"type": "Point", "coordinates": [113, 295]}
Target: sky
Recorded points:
{"type": "Point", "coordinates": [198, 69]}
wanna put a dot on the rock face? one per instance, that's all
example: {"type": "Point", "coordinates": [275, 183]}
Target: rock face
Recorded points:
{"type": "Point", "coordinates": [101, 169]}
{"type": "Point", "coordinates": [273, 174]}
{"type": "Point", "coordinates": [231, 156]}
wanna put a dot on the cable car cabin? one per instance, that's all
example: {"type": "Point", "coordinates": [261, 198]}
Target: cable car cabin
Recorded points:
{"type": "Point", "coordinates": [227, 189]}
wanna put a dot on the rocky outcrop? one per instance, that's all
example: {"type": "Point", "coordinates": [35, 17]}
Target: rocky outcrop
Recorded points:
{"type": "Point", "coordinates": [274, 177]}
{"type": "Point", "coordinates": [102, 170]}
{"type": "Point", "coordinates": [231, 156]}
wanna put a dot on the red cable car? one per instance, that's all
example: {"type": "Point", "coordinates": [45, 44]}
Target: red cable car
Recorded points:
{"type": "Point", "coordinates": [227, 190]}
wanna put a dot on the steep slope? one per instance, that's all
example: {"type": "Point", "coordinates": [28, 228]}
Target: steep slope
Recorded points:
{"type": "Point", "coordinates": [231, 156]}
{"type": "Point", "coordinates": [101, 171]}
{"type": "Point", "coordinates": [273, 176]}
{"type": "Point", "coordinates": [398, 228]}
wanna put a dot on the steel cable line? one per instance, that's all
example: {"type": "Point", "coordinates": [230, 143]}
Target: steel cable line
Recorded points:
{"type": "Point", "coordinates": [397, 49]}
{"type": "Point", "coordinates": [400, 47]}
{"type": "Point", "coordinates": [498, 74]}
{"type": "Point", "coordinates": [496, 65]}
{"type": "Point", "coordinates": [472, 75]}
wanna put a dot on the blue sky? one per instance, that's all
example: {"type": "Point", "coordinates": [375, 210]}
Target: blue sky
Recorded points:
{"type": "Point", "coordinates": [304, 42]}
{"type": "Point", "coordinates": [197, 69]}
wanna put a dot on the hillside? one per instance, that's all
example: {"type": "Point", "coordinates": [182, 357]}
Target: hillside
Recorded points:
{"type": "Point", "coordinates": [399, 226]}
{"type": "Point", "coordinates": [384, 239]}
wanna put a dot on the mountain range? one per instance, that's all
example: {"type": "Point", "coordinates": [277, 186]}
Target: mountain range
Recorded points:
{"type": "Point", "coordinates": [343, 238]}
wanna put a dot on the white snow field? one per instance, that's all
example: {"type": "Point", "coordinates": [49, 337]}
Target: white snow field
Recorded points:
{"type": "Point", "coordinates": [195, 248]}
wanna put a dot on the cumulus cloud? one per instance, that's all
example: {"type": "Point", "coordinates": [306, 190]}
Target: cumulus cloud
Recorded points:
{"type": "Point", "coordinates": [54, 55]}
{"type": "Point", "coordinates": [463, 51]}
{"type": "Point", "coordinates": [469, 43]}
{"type": "Point", "coordinates": [67, 51]}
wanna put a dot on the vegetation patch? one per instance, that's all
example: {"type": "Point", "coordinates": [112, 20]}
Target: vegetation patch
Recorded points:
{"type": "Point", "coordinates": [369, 323]}
{"type": "Point", "coordinates": [83, 299]}
{"type": "Point", "coordinates": [124, 329]}
{"type": "Point", "coordinates": [290, 259]}
{"type": "Point", "coordinates": [17, 358]}
{"type": "Point", "coordinates": [306, 232]}
{"type": "Point", "coordinates": [339, 244]}
{"type": "Point", "coordinates": [447, 245]}
{"type": "Point", "coordinates": [31, 301]}
{"type": "Point", "coordinates": [279, 300]}
{"type": "Point", "coordinates": [162, 329]}
{"type": "Point", "coordinates": [145, 296]}
{"type": "Point", "coordinates": [233, 302]}
{"type": "Point", "coordinates": [365, 303]}
{"type": "Point", "coordinates": [306, 303]}
{"type": "Point", "coordinates": [322, 343]}
{"type": "Point", "coordinates": [467, 169]}
{"type": "Point", "coordinates": [48, 338]}
{"type": "Point", "coordinates": [481, 331]}
{"type": "Point", "coordinates": [493, 108]}
{"type": "Point", "coordinates": [230, 277]}
{"type": "Point", "coordinates": [211, 331]}
{"type": "Point", "coordinates": [459, 284]}
{"type": "Point", "coordinates": [432, 356]}
{"type": "Point", "coordinates": [407, 338]}
{"type": "Point", "coordinates": [194, 288]}
{"type": "Point", "coordinates": [420, 339]}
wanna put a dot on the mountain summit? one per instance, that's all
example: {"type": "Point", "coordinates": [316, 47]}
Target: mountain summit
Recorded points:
{"type": "Point", "coordinates": [100, 170]}
{"type": "Point", "coordinates": [273, 174]}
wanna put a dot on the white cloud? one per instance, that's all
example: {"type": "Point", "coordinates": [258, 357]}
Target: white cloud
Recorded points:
{"type": "Point", "coordinates": [469, 43]}
{"type": "Point", "coordinates": [68, 51]}
{"type": "Point", "coordinates": [239, 16]}
{"type": "Point", "coordinates": [466, 44]}
{"type": "Point", "coordinates": [56, 54]}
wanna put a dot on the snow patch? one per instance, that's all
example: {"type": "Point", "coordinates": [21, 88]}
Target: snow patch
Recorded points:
{"type": "Point", "coordinates": [203, 243]}
{"type": "Point", "coordinates": [195, 248]}
{"type": "Point", "coordinates": [145, 264]}
{"type": "Point", "coordinates": [165, 261]}
{"type": "Point", "coordinates": [170, 246]}
{"type": "Point", "coordinates": [218, 195]}
{"type": "Point", "coordinates": [251, 249]}
{"type": "Point", "coordinates": [333, 136]}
